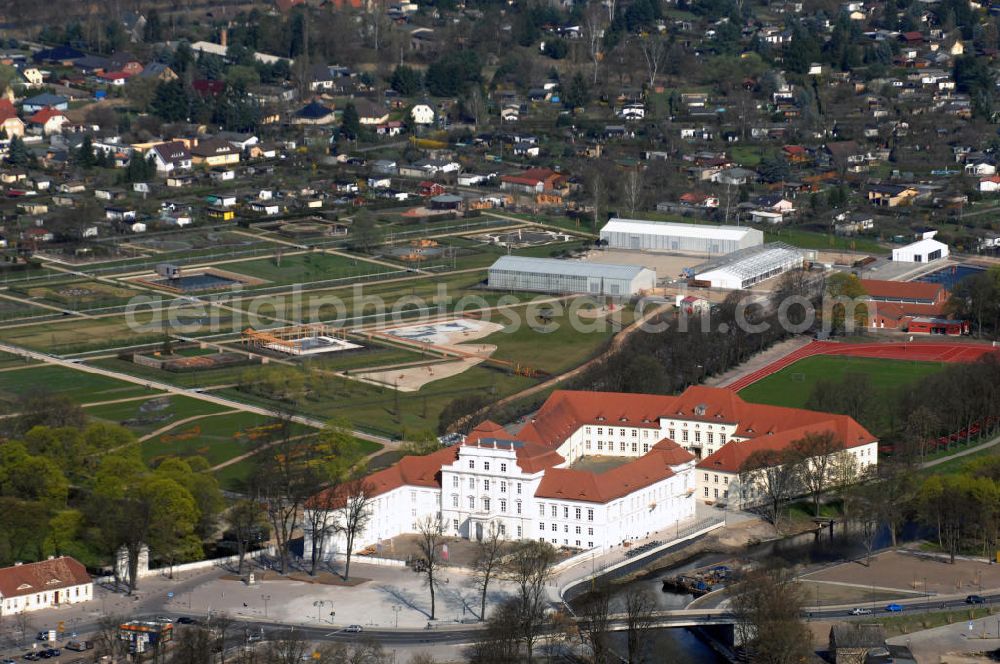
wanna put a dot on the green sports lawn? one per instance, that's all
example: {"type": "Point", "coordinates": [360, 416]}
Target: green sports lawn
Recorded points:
{"type": "Point", "coordinates": [793, 385]}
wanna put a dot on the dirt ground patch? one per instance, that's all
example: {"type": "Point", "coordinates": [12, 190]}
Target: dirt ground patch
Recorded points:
{"type": "Point", "coordinates": [453, 335]}
{"type": "Point", "coordinates": [915, 572]}
{"type": "Point", "coordinates": [667, 266]}
{"type": "Point", "coordinates": [322, 578]}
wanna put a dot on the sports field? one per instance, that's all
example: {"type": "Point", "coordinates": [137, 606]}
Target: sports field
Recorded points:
{"type": "Point", "coordinates": [792, 385]}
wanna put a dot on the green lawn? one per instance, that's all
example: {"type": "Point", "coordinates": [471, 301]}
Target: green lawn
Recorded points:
{"type": "Point", "coordinates": [143, 417]}
{"type": "Point", "coordinates": [305, 268]}
{"type": "Point", "coordinates": [563, 348]}
{"type": "Point", "coordinates": [77, 385]}
{"type": "Point", "coordinates": [217, 438]}
{"type": "Point", "coordinates": [792, 385]}
{"type": "Point", "coordinates": [373, 408]}
{"type": "Point", "coordinates": [822, 241]}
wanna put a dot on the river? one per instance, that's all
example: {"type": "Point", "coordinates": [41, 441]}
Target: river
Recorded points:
{"type": "Point", "coordinates": [681, 645]}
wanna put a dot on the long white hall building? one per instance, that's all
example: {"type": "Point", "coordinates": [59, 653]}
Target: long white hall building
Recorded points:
{"type": "Point", "coordinates": [674, 450]}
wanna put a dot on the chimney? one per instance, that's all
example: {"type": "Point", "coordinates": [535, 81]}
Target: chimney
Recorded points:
{"type": "Point", "coordinates": [224, 37]}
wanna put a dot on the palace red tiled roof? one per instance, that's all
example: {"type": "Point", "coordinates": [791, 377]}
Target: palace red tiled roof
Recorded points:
{"type": "Point", "coordinates": [731, 456]}
{"type": "Point", "coordinates": [30, 578]}
{"type": "Point", "coordinates": [7, 110]}
{"type": "Point", "coordinates": [44, 115]}
{"type": "Point", "coordinates": [587, 486]}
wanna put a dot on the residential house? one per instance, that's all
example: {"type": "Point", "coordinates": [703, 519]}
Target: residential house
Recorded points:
{"type": "Point", "coordinates": [180, 180]}
{"type": "Point", "coordinates": [33, 77]}
{"type": "Point", "coordinates": [45, 100]}
{"type": "Point", "coordinates": [698, 199]}
{"type": "Point", "coordinates": [48, 121]}
{"type": "Point", "coordinates": [385, 166]}
{"type": "Point", "coordinates": [734, 176]}
{"type": "Point", "coordinates": [222, 175]}
{"type": "Point", "coordinates": [853, 223]}
{"type": "Point", "coordinates": [115, 79]}
{"type": "Point", "coordinates": [391, 128]}
{"type": "Point", "coordinates": [535, 180]}
{"type": "Point", "coordinates": [980, 168]}
{"type": "Point", "coordinates": [269, 208]}
{"type": "Point", "coordinates": [891, 195]}
{"type": "Point", "coordinates": [137, 227]}
{"type": "Point", "coordinates": [214, 152]}
{"type": "Point", "coordinates": [239, 141]}
{"type": "Point", "coordinates": [158, 71]}
{"type": "Point", "coordinates": [990, 184]}
{"type": "Point", "coordinates": [847, 155]}
{"type": "Point", "coordinates": [10, 124]}
{"type": "Point", "coordinates": [422, 114]}
{"type": "Point", "coordinates": [221, 200]}
{"type": "Point", "coordinates": [313, 113]}
{"type": "Point", "coordinates": [170, 157]}
{"type": "Point", "coordinates": [220, 213]}
{"type": "Point", "coordinates": [43, 585]}
{"type": "Point", "coordinates": [118, 213]}
{"type": "Point", "coordinates": [126, 62]}
{"type": "Point", "coordinates": [369, 113]}
{"type": "Point", "coordinates": [851, 643]}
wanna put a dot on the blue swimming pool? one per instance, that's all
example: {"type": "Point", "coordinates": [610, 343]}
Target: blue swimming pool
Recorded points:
{"type": "Point", "coordinates": [198, 282]}
{"type": "Point", "coordinates": [949, 276]}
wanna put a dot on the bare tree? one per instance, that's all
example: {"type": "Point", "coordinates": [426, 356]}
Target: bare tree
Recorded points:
{"type": "Point", "coordinates": [353, 516]}
{"type": "Point", "coordinates": [593, 32]}
{"type": "Point", "coordinates": [489, 552]}
{"type": "Point", "coordinates": [639, 607]}
{"type": "Point", "coordinates": [767, 605]}
{"type": "Point", "coordinates": [815, 457]}
{"type": "Point", "coordinates": [287, 647]}
{"type": "Point", "coordinates": [654, 50]}
{"type": "Point", "coordinates": [596, 184]}
{"type": "Point", "coordinates": [594, 623]}
{"type": "Point", "coordinates": [632, 190]}
{"type": "Point", "coordinates": [220, 625]}
{"type": "Point", "coordinates": [774, 476]}
{"type": "Point", "coordinates": [319, 516]}
{"type": "Point", "coordinates": [529, 567]}
{"type": "Point", "coordinates": [500, 642]}
{"type": "Point", "coordinates": [246, 521]}
{"type": "Point", "coordinates": [192, 645]}
{"type": "Point", "coordinates": [107, 640]}
{"type": "Point", "coordinates": [429, 534]}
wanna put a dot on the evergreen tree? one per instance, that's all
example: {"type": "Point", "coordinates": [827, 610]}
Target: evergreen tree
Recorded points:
{"type": "Point", "coordinates": [170, 101]}
{"type": "Point", "coordinates": [85, 153]}
{"type": "Point", "coordinates": [153, 32]}
{"type": "Point", "coordinates": [17, 153]}
{"type": "Point", "coordinates": [350, 123]}
{"type": "Point", "coordinates": [577, 92]}
{"type": "Point", "coordinates": [406, 81]}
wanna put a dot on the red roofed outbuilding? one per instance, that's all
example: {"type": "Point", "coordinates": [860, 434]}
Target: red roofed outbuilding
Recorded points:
{"type": "Point", "coordinates": [43, 585]}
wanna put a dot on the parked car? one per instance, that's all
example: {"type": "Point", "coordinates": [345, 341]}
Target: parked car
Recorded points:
{"type": "Point", "coordinates": [861, 611]}
{"type": "Point", "coordinates": [975, 599]}
{"type": "Point", "coordinates": [894, 608]}
{"type": "Point", "coordinates": [31, 657]}
{"type": "Point", "coordinates": [79, 646]}
{"type": "Point", "coordinates": [353, 628]}
{"type": "Point", "coordinates": [53, 652]}
{"type": "Point", "coordinates": [186, 620]}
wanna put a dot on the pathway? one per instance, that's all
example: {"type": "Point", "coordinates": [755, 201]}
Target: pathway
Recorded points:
{"type": "Point", "coordinates": [958, 455]}
{"type": "Point", "coordinates": [162, 430]}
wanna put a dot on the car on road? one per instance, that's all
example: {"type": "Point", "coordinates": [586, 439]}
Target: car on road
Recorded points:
{"type": "Point", "coordinates": [53, 652]}
{"type": "Point", "coordinates": [861, 611]}
{"type": "Point", "coordinates": [79, 646]}
{"type": "Point", "coordinates": [894, 608]}
{"type": "Point", "coordinates": [186, 620]}
{"type": "Point", "coordinates": [353, 628]}
{"type": "Point", "coordinates": [7, 661]}
{"type": "Point", "coordinates": [975, 599]}
{"type": "Point", "coordinates": [31, 657]}
{"type": "Point", "coordinates": [164, 619]}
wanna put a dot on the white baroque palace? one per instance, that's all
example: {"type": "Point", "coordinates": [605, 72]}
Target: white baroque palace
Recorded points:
{"type": "Point", "coordinates": [546, 481]}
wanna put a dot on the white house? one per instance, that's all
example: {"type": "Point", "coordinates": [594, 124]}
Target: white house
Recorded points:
{"type": "Point", "coordinates": [538, 483]}
{"type": "Point", "coordinates": [171, 156]}
{"type": "Point", "coordinates": [422, 114]}
{"type": "Point", "coordinates": [990, 184]}
{"type": "Point", "coordinates": [42, 585]}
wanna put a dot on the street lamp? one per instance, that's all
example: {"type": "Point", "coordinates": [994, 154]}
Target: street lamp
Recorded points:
{"type": "Point", "coordinates": [266, 598]}
{"type": "Point", "coordinates": [396, 608]}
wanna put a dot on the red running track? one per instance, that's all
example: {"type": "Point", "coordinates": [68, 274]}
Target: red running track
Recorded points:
{"type": "Point", "coordinates": [916, 351]}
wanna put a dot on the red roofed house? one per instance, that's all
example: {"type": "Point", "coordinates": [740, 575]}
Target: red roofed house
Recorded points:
{"type": "Point", "coordinates": [115, 78]}
{"type": "Point", "coordinates": [543, 482]}
{"type": "Point", "coordinates": [42, 585]}
{"type": "Point", "coordinates": [534, 180]}
{"type": "Point", "coordinates": [48, 120]}
{"type": "Point", "coordinates": [10, 124]}
{"type": "Point", "coordinates": [893, 305]}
